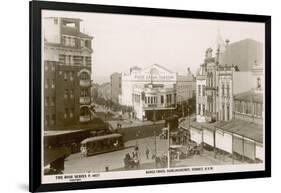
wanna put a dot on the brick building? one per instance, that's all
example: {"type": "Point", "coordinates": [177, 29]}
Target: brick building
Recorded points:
{"type": "Point", "coordinates": [67, 73]}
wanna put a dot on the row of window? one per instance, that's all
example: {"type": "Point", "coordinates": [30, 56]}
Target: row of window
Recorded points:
{"type": "Point", "coordinates": [50, 101]}
{"type": "Point", "coordinates": [199, 112]}
{"type": "Point", "coordinates": [225, 114]}
{"type": "Point", "coordinates": [201, 92]}
{"type": "Point", "coordinates": [72, 41]}
{"type": "Point", "coordinates": [227, 118]}
{"type": "Point", "coordinates": [49, 83]}
{"type": "Point", "coordinates": [227, 90]}
{"type": "Point", "coordinates": [68, 76]}
{"type": "Point", "coordinates": [71, 60]}
{"type": "Point", "coordinates": [150, 100]}
{"type": "Point", "coordinates": [50, 120]}
{"type": "Point", "coordinates": [68, 113]}
{"type": "Point", "coordinates": [49, 66]}
{"type": "Point", "coordinates": [202, 88]}
{"type": "Point", "coordinates": [250, 108]}
{"type": "Point", "coordinates": [68, 94]}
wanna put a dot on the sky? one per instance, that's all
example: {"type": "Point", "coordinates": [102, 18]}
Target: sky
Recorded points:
{"type": "Point", "coordinates": [123, 41]}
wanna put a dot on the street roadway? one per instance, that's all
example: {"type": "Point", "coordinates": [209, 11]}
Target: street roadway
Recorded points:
{"type": "Point", "coordinates": [76, 163]}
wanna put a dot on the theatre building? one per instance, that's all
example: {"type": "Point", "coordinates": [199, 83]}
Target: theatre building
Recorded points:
{"type": "Point", "coordinates": [152, 92]}
{"type": "Point", "coordinates": [67, 73]}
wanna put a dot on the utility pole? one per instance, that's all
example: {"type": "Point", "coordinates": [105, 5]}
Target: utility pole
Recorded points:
{"type": "Point", "coordinates": [155, 148]}
{"type": "Point", "coordinates": [168, 155]}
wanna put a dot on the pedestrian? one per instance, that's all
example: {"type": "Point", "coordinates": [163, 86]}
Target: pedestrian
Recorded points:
{"type": "Point", "coordinates": [147, 153]}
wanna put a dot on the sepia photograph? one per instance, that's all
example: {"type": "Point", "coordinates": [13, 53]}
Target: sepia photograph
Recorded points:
{"type": "Point", "coordinates": [135, 96]}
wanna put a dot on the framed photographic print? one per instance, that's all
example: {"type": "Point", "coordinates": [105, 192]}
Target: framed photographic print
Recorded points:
{"type": "Point", "coordinates": [125, 96]}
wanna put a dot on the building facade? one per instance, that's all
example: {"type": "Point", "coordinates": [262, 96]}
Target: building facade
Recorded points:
{"type": "Point", "coordinates": [185, 90]}
{"type": "Point", "coordinates": [67, 73]}
{"type": "Point", "coordinates": [154, 91]}
{"type": "Point", "coordinates": [217, 82]}
{"type": "Point", "coordinates": [115, 81]}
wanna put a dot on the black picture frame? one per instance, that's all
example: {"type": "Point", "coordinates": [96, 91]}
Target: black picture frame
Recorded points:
{"type": "Point", "coordinates": [35, 8]}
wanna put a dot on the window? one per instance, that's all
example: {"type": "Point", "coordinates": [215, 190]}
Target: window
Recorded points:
{"type": "Point", "coordinates": [46, 83]}
{"type": "Point", "coordinates": [199, 90]}
{"type": "Point", "coordinates": [66, 93]}
{"type": "Point", "coordinates": [53, 67]}
{"type": "Point", "coordinates": [71, 94]}
{"type": "Point", "coordinates": [82, 43]}
{"type": "Point", "coordinates": [71, 76]}
{"type": "Point", "coordinates": [222, 89]}
{"type": "Point", "coordinates": [203, 106]}
{"type": "Point", "coordinates": [55, 21]}
{"type": "Point", "coordinates": [227, 113]}
{"type": "Point", "coordinates": [84, 76]}
{"type": "Point", "coordinates": [72, 42]}
{"type": "Point", "coordinates": [66, 113]}
{"type": "Point", "coordinates": [227, 90]}
{"type": "Point", "coordinates": [71, 113]}
{"type": "Point", "coordinates": [53, 83]}
{"type": "Point", "coordinates": [199, 109]}
{"type": "Point", "coordinates": [162, 99]}
{"type": "Point", "coordinates": [203, 90]}
{"type": "Point", "coordinates": [65, 76]}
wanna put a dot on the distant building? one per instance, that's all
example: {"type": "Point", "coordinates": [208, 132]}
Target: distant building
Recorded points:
{"type": "Point", "coordinates": [244, 53]}
{"type": "Point", "coordinates": [67, 73]}
{"type": "Point", "coordinates": [185, 90]}
{"type": "Point", "coordinates": [116, 88]}
{"type": "Point", "coordinates": [104, 91]}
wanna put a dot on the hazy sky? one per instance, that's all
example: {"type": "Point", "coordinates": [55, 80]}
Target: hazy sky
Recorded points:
{"type": "Point", "coordinates": [122, 41]}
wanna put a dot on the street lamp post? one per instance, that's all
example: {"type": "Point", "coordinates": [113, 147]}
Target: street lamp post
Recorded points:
{"type": "Point", "coordinates": [168, 137]}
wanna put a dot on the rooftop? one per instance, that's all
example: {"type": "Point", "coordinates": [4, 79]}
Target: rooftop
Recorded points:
{"type": "Point", "coordinates": [247, 129]}
{"type": "Point", "coordinates": [250, 95]}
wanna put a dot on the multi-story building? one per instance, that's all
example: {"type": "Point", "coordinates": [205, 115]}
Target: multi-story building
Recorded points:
{"type": "Point", "coordinates": [185, 90]}
{"type": "Point", "coordinates": [115, 81]}
{"type": "Point", "coordinates": [67, 73]}
{"type": "Point", "coordinates": [217, 81]}
{"type": "Point", "coordinates": [152, 91]}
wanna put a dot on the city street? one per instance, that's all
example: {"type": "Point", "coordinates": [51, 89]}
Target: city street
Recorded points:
{"type": "Point", "coordinates": [76, 163]}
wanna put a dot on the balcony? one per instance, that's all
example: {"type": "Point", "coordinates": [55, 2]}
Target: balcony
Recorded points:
{"type": "Point", "coordinates": [85, 118]}
{"type": "Point", "coordinates": [85, 83]}
{"type": "Point", "coordinates": [85, 100]}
